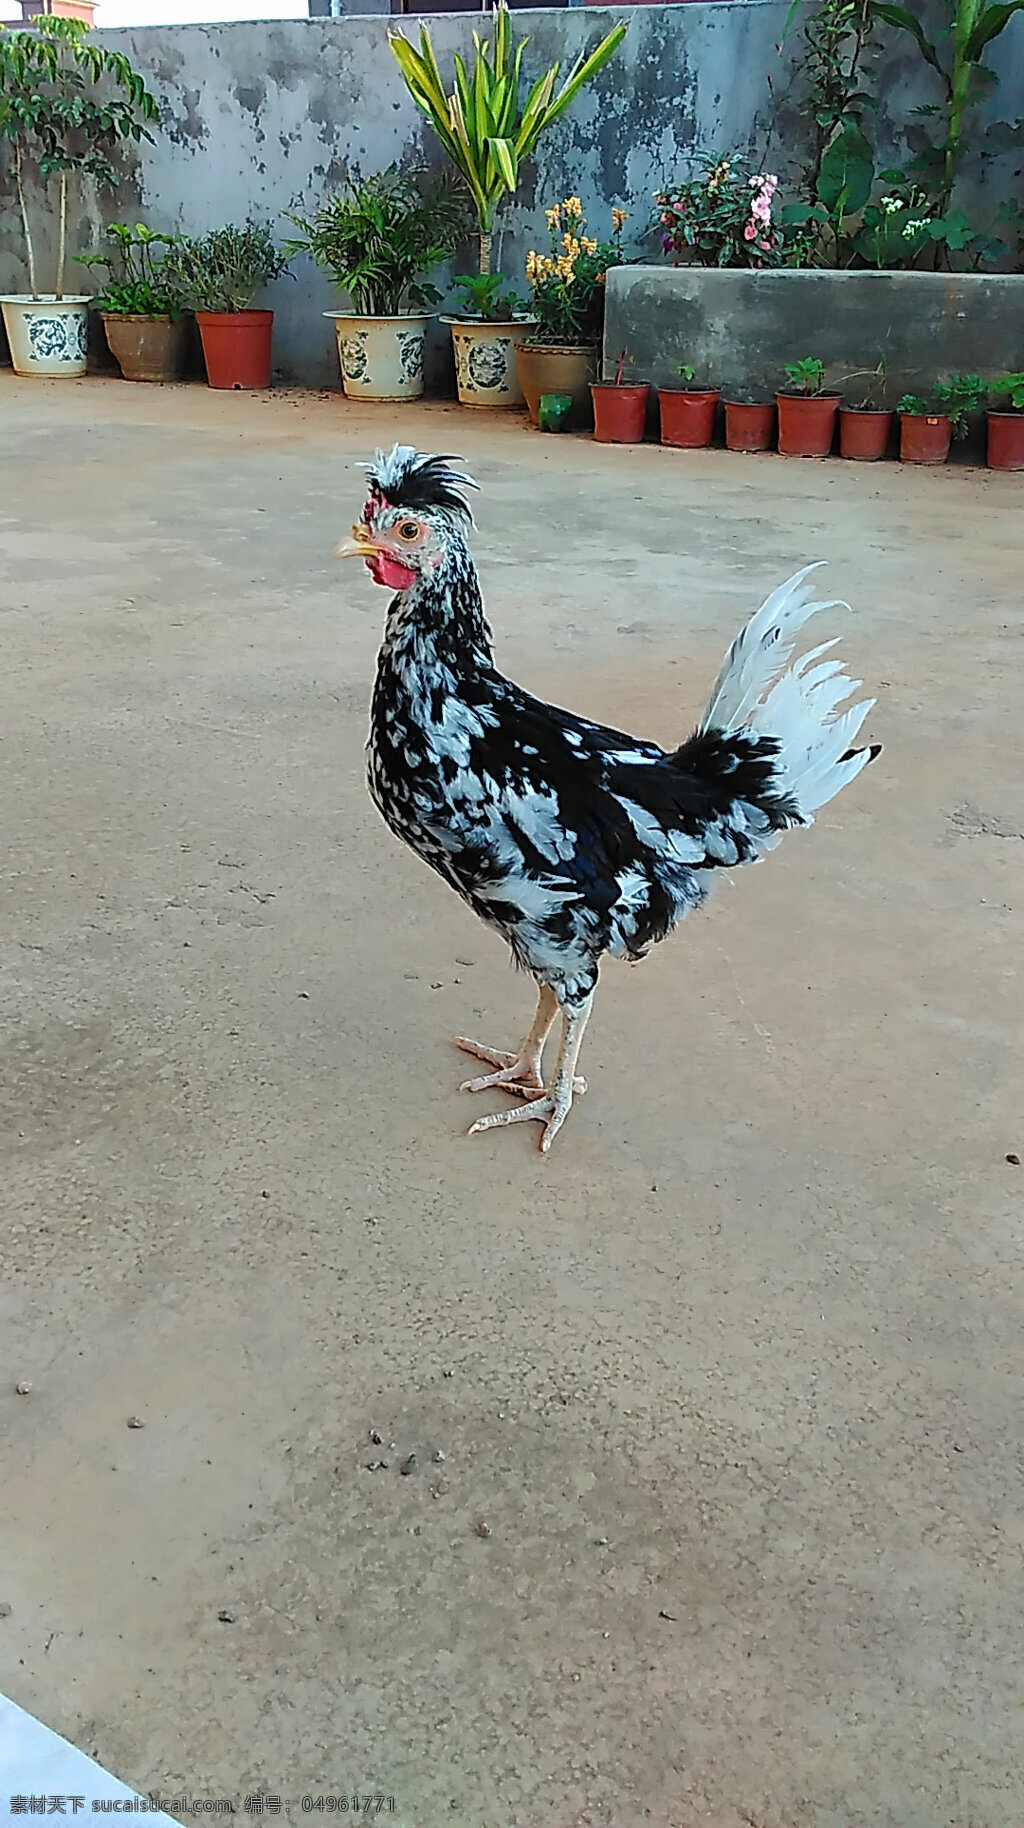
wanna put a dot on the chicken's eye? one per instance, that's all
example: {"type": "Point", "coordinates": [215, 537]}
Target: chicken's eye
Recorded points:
{"type": "Point", "coordinates": [408, 530]}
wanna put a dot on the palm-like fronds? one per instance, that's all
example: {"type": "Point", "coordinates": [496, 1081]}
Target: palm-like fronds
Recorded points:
{"type": "Point", "coordinates": [480, 123]}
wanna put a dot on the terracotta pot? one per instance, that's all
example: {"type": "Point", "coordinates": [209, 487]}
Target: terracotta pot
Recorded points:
{"type": "Point", "coordinates": [236, 347]}
{"type": "Point", "coordinates": [687, 418]}
{"type": "Point", "coordinates": [924, 438]}
{"type": "Point", "coordinates": [807, 424]}
{"type": "Point", "coordinates": [1006, 441]}
{"type": "Point", "coordinates": [747, 427]}
{"type": "Point", "coordinates": [863, 435]}
{"type": "Point", "coordinates": [620, 413]}
{"type": "Point", "coordinates": [147, 348]}
{"type": "Point", "coordinates": [567, 368]}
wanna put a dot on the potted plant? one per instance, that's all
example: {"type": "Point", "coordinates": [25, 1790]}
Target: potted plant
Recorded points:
{"type": "Point", "coordinates": [687, 412]}
{"type": "Point", "coordinates": [377, 239]}
{"type": "Point", "coordinates": [929, 421]}
{"type": "Point", "coordinates": [142, 313]}
{"type": "Point", "coordinates": [560, 354]}
{"type": "Point", "coordinates": [1005, 431]}
{"type": "Point", "coordinates": [484, 341]}
{"type": "Point", "coordinates": [65, 105]}
{"type": "Point", "coordinates": [865, 428]}
{"type": "Point", "coordinates": [620, 408]}
{"type": "Point", "coordinates": [807, 414]}
{"type": "Point", "coordinates": [722, 218]}
{"type": "Point", "coordinates": [217, 276]}
{"type": "Point", "coordinates": [749, 425]}
{"type": "Point", "coordinates": [487, 134]}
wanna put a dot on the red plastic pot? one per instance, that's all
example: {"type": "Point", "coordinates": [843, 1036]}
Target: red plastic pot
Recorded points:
{"type": "Point", "coordinates": [863, 435]}
{"type": "Point", "coordinates": [924, 438]}
{"type": "Point", "coordinates": [687, 419]}
{"type": "Point", "coordinates": [749, 428]}
{"type": "Point", "coordinates": [807, 424]}
{"type": "Point", "coordinates": [1006, 441]}
{"type": "Point", "coordinates": [620, 413]}
{"type": "Point", "coordinates": [236, 347]}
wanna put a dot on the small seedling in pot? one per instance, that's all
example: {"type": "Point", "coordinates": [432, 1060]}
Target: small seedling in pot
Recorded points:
{"type": "Point", "coordinates": [952, 400]}
{"type": "Point", "coordinates": [807, 376]}
{"type": "Point", "coordinates": [485, 297]}
{"type": "Point", "coordinates": [872, 397]}
{"type": "Point", "coordinates": [1010, 387]}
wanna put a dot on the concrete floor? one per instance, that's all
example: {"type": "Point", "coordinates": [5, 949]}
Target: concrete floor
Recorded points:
{"type": "Point", "coordinates": [728, 1526]}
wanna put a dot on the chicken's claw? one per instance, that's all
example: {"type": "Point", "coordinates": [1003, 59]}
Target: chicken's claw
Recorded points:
{"type": "Point", "coordinates": [546, 1108]}
{"type": "Point", "coordinates": [518, 1073]}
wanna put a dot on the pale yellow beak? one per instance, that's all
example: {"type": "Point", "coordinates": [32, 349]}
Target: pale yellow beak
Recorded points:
{"type": "Point", "coordinates": [359, 545]}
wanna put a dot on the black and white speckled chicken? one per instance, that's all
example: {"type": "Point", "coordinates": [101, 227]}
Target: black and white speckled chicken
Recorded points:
{"type": "Point", "coordinates": [570, 839]}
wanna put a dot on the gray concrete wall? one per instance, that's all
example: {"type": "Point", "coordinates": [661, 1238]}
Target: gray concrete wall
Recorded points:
{"type": "Point", "coordinates": [739, 329]}
{"type": "Point", "coordinates": [263, 118]}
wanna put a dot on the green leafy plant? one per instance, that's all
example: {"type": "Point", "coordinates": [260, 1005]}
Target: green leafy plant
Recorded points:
{"type": "Point", "coordinates": [1009, 387]}
{"type": "Point", "coordinates": [842, 186]}
{"type": "Point", "coordinates": [486, 299]}
{"type": "Point", "coordinates": [567, 284]}
{"type": "Point", "coordinates": [723, 217]}
{"type": "Point", "coordinates": [481, 125]}
{"type": "Point", "coordinates": [848, 225]}
{"type": "Point", "coordinates": [834, 36]}
{"type": "Point", "coordinates": [807, 376]}
{"type": "Point", "coordinates": [224, 270]}
{"type": "Point", "coordinates": [956, 56]}
{"type": "Point", "coordinates": [685, 371]}
{"type": "Point", "coordinates": [952, 400]}
{"type": "Point", "coordinates": [380, 236]}
{"type": "Point", "coordinates": [136, 285]}
{"type": "Point", "coordinates": [66, 104]}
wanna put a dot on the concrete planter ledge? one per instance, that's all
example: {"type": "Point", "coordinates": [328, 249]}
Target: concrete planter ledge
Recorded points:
{"type": "Point", "coordinates": [738, 329]}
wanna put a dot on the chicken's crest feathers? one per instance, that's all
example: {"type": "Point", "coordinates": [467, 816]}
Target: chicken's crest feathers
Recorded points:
{"type": "Point", "coordinates": [407, 478]}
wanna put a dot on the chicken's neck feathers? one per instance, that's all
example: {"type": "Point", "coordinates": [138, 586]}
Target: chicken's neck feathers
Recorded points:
{"type": "Point", "coordinates": [439, 621]}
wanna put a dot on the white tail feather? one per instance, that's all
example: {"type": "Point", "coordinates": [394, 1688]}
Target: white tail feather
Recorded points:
{"type": "Point", "coordinates": [757, 690]}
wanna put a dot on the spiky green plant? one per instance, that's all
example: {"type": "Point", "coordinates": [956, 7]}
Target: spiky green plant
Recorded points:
{"type": "Point", "coordinates": [480, 124]}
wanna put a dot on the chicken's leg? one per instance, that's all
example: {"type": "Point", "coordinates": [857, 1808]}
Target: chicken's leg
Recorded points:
{"type": "Point", "coordinates": [551, 1107]}
{"type": "Point", "coordinates": [520, 1072]}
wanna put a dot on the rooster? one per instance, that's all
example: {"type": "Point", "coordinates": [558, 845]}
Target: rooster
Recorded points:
{"type": "Point", "coordinates": [573, 840]}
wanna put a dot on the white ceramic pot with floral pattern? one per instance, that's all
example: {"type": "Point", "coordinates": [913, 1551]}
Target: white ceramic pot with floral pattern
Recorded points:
{"type": "Point", "coordinates": [486, 373]}
{"type": "Point", "coordinates": [381, 358]}
{"type": "Point", "coordinates": [47, 335]}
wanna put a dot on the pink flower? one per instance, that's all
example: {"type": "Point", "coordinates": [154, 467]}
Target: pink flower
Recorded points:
{"type": "Point", "coordinates": [750, 232]}
{"type": "Point", "coordinates": [766, 245]}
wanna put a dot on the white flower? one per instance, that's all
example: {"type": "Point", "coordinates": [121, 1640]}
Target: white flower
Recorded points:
{"type": "Point", "coordinates": [915, 226]}
{"type": "Point", "coordinates": [891, 205]}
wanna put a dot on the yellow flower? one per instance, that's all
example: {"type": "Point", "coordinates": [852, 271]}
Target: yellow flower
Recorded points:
{"type": "Point", "coordinates": [572, 206]}
{"type": "Point", "coordinates": [554, 217]}
{"type": "Point", "coordinates": [589, 247]}
{"type": "Point", "coordinates": [618, 219]}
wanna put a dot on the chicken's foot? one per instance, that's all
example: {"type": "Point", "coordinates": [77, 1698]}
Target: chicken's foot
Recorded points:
{"type": "Point", "coordinates": [549, 1107]}
{"type": "Point", "coordinates": [519, 1073]}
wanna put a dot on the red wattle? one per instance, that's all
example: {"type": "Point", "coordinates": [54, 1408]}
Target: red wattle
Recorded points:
{"type": "Point", "coordinates": [389, 572]}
